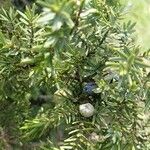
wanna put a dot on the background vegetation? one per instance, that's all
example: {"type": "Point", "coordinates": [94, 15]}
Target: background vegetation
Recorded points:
{"type": "Point", "coordinates": [139, 12]}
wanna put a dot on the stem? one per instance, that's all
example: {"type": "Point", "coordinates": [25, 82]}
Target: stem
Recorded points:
{"type": "Point", "coordinates": [104, 37]}
{"type": "Point", "coordinates": [32, 36]}
{"type": "Point", "coordinates": [78, 16]}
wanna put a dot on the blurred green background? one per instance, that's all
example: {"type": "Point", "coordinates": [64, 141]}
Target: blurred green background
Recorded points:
{"type": "Point", "coordinates": [139, 12]}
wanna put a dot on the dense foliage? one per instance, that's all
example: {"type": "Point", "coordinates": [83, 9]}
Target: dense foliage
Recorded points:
{"type": "Point", "coordinates": [70, 54]}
